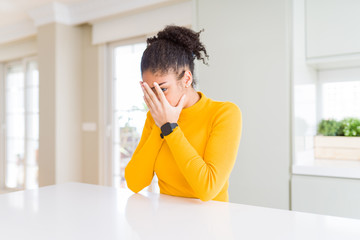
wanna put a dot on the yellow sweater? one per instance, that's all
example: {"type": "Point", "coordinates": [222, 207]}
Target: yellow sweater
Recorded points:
{"type": "Point", "coordinates": [196, 159]}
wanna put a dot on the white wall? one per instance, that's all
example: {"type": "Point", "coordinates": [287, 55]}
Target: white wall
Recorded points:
{"type": "Point", "coordinates": [249, 48]}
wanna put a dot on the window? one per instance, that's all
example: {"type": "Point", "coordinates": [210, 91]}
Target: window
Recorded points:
{"type": "Point", "coordinates": [329, 94]}
{"type": "Point", "coordinates": [128, 110]}
{"type": "Point", "coordinates": [340, 99]}
{"type": "Point", "coordinates": [21, 124]}
{"type": "Point", "coordinates": [334, 94]}
{"type": "Point", "coordinates": [324, 86]}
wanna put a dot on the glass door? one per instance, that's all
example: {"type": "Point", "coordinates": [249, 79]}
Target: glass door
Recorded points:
{"type": "Point", "coordinates": [21, 125]}
{"type": "Point", "coordinates": [128, 108]}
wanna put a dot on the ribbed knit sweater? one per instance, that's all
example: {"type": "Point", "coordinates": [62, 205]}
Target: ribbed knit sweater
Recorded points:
{"type": "Point", "coordinates": [196, 159]}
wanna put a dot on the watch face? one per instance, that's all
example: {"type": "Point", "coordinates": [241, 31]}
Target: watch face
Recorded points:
{"type": "Point", "coordinates": [166, 129]}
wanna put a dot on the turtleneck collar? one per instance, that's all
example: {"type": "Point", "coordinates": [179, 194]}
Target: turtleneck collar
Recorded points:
{"type": "Point", "coordinates": [195, 108]}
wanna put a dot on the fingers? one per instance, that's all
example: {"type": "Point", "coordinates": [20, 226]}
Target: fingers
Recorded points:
{"type": "Point", "coordinates": [148, 104]}
{"type": "Point", "coordinates": [160, 93]}
{"type": "Point", "coordinates": [149, 93]}
{"type": "Point", "coordinates": [147, 98]}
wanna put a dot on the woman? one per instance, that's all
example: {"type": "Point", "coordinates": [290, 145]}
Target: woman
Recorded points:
{"type": "Point", "coordinates": [189, 140]}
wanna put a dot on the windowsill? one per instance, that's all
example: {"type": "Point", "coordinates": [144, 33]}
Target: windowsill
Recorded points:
{"type": "Point", "coordinates": [307, 165]}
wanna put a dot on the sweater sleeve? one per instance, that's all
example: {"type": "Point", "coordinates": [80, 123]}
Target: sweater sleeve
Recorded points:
{"type": "Point", "coordinates": [208, 175]}
{"type": "Point", "coordinates": [139, 171]}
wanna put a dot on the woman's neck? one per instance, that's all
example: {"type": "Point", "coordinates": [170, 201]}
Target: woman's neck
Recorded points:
{"type": "Point", "coordinates": [192, 97]}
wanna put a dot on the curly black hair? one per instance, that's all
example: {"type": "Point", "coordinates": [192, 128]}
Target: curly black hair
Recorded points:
{"type": "Point", "coordinates": [174, 49]}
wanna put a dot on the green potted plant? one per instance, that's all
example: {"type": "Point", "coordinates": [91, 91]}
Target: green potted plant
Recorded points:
{"type": "Point", "coordinates": [338, 139]}
{"type": "Point", "coordinates": [329, 127]}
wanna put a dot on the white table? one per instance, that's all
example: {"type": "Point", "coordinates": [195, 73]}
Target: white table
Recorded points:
{"type": "Point", "coordinates": [82, 211]}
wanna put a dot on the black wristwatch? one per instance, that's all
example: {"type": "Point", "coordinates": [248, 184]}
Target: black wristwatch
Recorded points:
{"type": "Point", "coordinates": [167, 128]}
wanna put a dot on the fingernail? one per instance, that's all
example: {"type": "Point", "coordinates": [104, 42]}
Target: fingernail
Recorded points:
{"type": "Point", "coordinates": [155, 83]}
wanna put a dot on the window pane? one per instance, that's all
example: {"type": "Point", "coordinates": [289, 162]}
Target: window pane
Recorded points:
{"type": "Point", "coordinates": [14, 77]}
{"type": "Point", "coordinates": [341, 99]}
{"type": "Point", "coordinates": [32, 174]}
{"type": "Point", "coordinates": [129, 138]}
{"type": "Point", "coordinates": [116, 134]}
{"type": "Point", "coordinates": [15, 150]}
{"type": "Point", "coordinates": [32, 102]}
{"type": "Point", "coordinates": [15, 100]}
{"type": "Point", "coordinates": [15, 126]}
{"type": "Point", "coordinates": [33, 74]}
{"type": "Point", "coordinates": [116, 148]}
{"type": "Point", "coordinates": [22, 125]}
{"type": "Point", "coordinates": [32, 153]}
{"type": "Point", "coordinates": [127, 73]}
{"type": "Point", "coordinates": [15, 175]}
{"type": "Point", "coordinates": [129, 112]}
{"type": "Point", "coordinates": [15, 163]}
{"type": "Point", "coordinates": [33, 126]}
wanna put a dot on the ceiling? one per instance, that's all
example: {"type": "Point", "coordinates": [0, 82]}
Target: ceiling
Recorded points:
{"type": "Point", "coordinates": [20, 19]}
{"type": "Point", "coordinates": [15, 11]}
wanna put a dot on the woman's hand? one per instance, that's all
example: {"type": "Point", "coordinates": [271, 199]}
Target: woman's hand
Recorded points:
{"type": "Point", "coordinates": [160, 109]}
